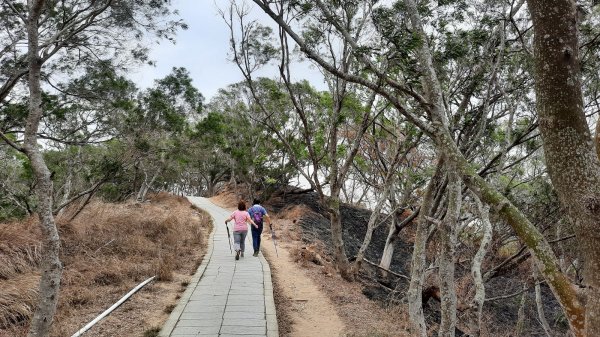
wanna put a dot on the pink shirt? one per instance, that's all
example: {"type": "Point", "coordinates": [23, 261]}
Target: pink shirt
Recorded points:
{"type": "Point", "coordinates": [240, 218]}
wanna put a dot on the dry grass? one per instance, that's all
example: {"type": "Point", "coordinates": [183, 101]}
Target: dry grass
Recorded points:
{"type": "Point", "coordinates": [19, 259]}
{"type": "Point", "coordinates": [16, 299]}
{"type": "Point", "coordinates": [19, 248]}
{"type": "Point", "coordinates": [106, 251]}
{"type": "Point", "coordinates": [361, 316]}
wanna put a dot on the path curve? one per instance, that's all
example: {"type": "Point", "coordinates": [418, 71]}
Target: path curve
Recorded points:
{"type": "Point", "coordinates": [225, 297]}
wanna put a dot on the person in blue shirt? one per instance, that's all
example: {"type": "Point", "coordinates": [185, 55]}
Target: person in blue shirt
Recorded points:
{"type": "Point", "coordinates": [258, 214]}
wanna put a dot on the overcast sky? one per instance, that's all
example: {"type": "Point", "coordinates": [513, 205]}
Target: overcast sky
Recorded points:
{"type": "Point", "coordinates": [203, 50]}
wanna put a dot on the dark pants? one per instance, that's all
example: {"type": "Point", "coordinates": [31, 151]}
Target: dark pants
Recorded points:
{"type": "Point", "coordinates": [256, 232]}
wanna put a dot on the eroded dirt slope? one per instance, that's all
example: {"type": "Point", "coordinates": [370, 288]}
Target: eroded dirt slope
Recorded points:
{"type": "Point", "coordinates": [303, 225]}
{"type": "Point", "coordinates": [311, 299]}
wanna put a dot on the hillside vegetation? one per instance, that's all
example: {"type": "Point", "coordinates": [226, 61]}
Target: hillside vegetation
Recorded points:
{"type": "Point", "coordinates": [459, 138]}
{"type": "Point", "coordinates": [107, 250]}
{"type": "Point", "coordinates": [302, 227]}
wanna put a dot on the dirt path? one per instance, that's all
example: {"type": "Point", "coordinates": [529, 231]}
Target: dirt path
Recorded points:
{"type": "Point", "coordinates": [310, 310]}
{"type": "Point", "coordinates": [310, 296]}
{"type": "Point", "coordinates": [302, 308]}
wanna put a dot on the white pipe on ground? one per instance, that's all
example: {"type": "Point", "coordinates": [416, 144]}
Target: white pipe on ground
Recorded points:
{"type": "Point", "coordinates": [113, 307]}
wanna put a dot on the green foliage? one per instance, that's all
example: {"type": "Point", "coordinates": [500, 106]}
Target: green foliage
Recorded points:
{"type": "Point", "coordinates": [258, 45]}
{"type": "Point", "coordinates": [13, 115]}
{"type": "Point", "coordinates": [402, 42]}
{"type": "Point", "coordinates": [302, 5]}
{"type": "Point", "coordinates": [211, 129]}
{"type": "Point", "coordinates": [169, 104]}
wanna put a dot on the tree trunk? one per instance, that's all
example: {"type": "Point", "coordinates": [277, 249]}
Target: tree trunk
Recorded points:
{"type": "Point", "coordinates": [448, 239]}
{"type": "Point", "coordinates": [339, 251]}
{"type": "Point", "coordinates": [539, 304]}
{"type": "Point", "coordinates": [82, 205]}
{"type": "Point", "coordinates": [336, 180]}
{"type": "Point", "coordinates": [521, 313]}
{"type": "Point", "coordinates": [388, 192]}
{"type": "Point", "coordinates": [233, 180]}
{"type": "Point", "coordinates": [371, 225]}
{"type": "Point", "coordinates": [388, 249]}
{"type": "Point", "coordinates": [211, 188]}
{"type": "Point", "coordinates": [417, 278]}
{"type": "Point", "coordinates": [560, 249]}
{"type": "Point", "coordinates": [572, 163]}
{"type": "Point", "coordinates": [562, 288]}
{"type": "Point", "coordinates": [540, 249]}
{"type": "Point", "coordinates": [140, 192]}
{"type": "Point", "coordinates": [597, 136]}
{"type": "Point", "coordinates": [146, 186]}
{"type": "Point", "coordinates": [417, 271]}
{"type": "Point", "coordinates": [51, 266]}
{"type": "Point", "coordinates": [486, 239]}
{"type": "Point", "coordinates": [433, 93]}
{"type": "Point", "coordinates": [68, 185]}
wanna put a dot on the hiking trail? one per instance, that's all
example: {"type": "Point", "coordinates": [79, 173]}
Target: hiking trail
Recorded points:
{"type": "Point", "coordinates": [225, 297]}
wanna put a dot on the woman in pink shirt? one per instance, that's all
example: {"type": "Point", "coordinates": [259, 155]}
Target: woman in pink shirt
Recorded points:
{"type": "Point", "coordinates": [241, 219]}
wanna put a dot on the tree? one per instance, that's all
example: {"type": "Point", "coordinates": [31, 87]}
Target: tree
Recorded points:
{"type": "Point", "coordinates": [160, 116]}
{"type": "Point", "coordinates": [333, 108]}
{"type": "Point", "coordinates": [435, 118]}
{"type": "Point", "coordinates": [387, 177]}
{"type": "Point", "coordinates": [568, 147]}
{"type": "Point", "coordinates": [73, 32]}
{"type": "Point", "coordinates": [254, 156]}
{"type": "Point", "coordinates": [212, 164]}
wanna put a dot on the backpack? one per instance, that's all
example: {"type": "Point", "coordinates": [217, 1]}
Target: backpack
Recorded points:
{"type": "Point", "coordinates": [257, 215]}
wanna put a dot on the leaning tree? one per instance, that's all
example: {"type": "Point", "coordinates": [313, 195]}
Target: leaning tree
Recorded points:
{"type": "Point", "coordinates": [61, 36]}
{"type": "Point", "coordinates": [429, 103]}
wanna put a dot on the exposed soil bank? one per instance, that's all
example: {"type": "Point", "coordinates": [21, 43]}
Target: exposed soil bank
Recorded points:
{"type": "Point", "coordinates": [311, 299]}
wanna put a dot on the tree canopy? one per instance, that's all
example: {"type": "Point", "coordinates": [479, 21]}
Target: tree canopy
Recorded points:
{"type": "Point", "coordinates": [476, 117]}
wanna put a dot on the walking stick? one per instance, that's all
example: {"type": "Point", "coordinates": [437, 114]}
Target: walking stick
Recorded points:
{"type": "Point", "coordinates": [273, 237]}
{"type": "Point", "coordinates": [228, 238]}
